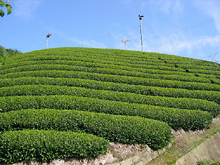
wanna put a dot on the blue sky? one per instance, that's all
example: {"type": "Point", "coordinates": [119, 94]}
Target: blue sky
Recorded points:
{"type": "Point", "coordinates": [188, 28]}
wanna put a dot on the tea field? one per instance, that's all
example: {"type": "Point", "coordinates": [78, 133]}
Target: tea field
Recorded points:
{"type": "Point", "coordinates": [66, 103]}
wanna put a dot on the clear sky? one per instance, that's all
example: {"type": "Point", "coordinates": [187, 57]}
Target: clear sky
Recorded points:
{"type": "Point", "coordinates": [188, 28]}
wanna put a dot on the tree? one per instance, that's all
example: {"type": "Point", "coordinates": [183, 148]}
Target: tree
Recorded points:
{"type": "Point", "coordinates": [5, 4]}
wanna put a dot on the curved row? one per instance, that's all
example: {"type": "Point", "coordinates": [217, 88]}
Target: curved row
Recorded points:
{"type": "Point", "coordinates": [214, 67]}
{"type": "Point", "coordinates": [181, 103]}
{"type": "Point", "coordinates": [46, 145]}
{"type": "Point", "coordinates": [212, 72]}
{"type": "Point", "coordinates": [103, 71]}
{"type": "Point", "coordinates": [117, 54]}
{"type": "Point", "coordinates": [176, 118]}
{"type": "Point", "coordinates": [109, 57]}
{"type": "Point", "coordinates": [120, 87]}
{"type": "Point", "coordinates": [87, 58]}
{"type": "Point", "coordinates": [115, 78]}
{"type": "Point", "coordinates": [37, 58]}
{"type": "Point", "coordinates": [151, 69]}
{"type": "Point", "coordinates": [116, 128]}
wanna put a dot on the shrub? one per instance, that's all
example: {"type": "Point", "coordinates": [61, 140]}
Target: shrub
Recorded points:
{"type": "Point", "coordinates": [176, 118]}
{"type": "Point", "coordinates": [115, 78]}
{"type": "Point", "coordinates": [105, 71]}
{"type": "Point", "coordinates": [46, 145]}
{"type": "Point", "coordinates": [93, 84]}
{"type": "Point", "coordinates": [182, 103]}
{"type": "Point", "coordinates": [212, 72]}
{"type": "Point", "coordinates": [116, 128]}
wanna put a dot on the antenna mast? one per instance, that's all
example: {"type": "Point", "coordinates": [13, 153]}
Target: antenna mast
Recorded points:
{"type": "Point", "coordinates": [140, 18]}
{"type": "Point", "coordinates": [47, 37]}
{"type": "Point", "coordinates": [213, 57]}
{"type": "Point", "coordinates": [125, 41]}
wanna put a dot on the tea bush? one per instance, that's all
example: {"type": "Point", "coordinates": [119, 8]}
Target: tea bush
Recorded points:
{"type": "Point", "coordinates": [116, 79]}
{"type": "Point", "coordinates": [104, 71]}
{"type": "Point", "coordinates": [46, 145]}
{"type": "Point", "coordinates": [116, 128]}
{"type": "Point", "coordinates": [182, 103]}
{"type": "Point", "coordinates": [176, 118]}
{"type": "Point", "coordinates": [100, 85]}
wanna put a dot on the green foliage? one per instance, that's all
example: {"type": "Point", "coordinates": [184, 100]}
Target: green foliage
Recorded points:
{"type": "Point", "coordinates": [8, 7]}
{"type": "Point", "coordinates": [212, 72]}
{"type": "Point", "coordinates": [103, 71]}
{"type": "Point", "coordinates": [114, 78]}
{"type": "Point", "coordinates": [124, 129]}
{"type": "Point", "coordinates": [120, 87]}
{"type": "Point", "coordinates": [176, 118]}
{"type": "Point", "coordinates": [46, 145]}
{"type": "Point", "coordinates": [182, 103]}
{"type": "Point", "coordinates": [4, 53]}
{"type": "Point", "coordinates": [114, 94]}
{"type": "Point", "coordinates": [209, 162]}
{"type": "Point", "coordinates": [8, 52]}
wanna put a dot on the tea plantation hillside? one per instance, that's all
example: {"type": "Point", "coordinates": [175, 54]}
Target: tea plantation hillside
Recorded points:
{"type": "Point", "coordinates": [71, 102]}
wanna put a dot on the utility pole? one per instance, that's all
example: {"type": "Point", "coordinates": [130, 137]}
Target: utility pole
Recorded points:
{"type": "Point", "coordinates": [47, 37]}
{"type": "Point", "coordinates": [140, 18]}
{"type": "Point", "coordinates": [125, 41]}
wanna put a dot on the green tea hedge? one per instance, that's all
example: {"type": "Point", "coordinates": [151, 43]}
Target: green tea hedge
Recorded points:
{"type": "Point", "coordinates": [182, 103]}
{"type": "Point", "coordinates": [152, 69]}
{"type": "Point", "coordinates": [212, 72]}
{"type": "Point", "coordinates": [104, 71]}
{"type": "Point", "coordinates": [97, 58]}
{"type": "Point", "coordinates": [176, 118]}
{"type": "Point", "coordinates": [99, 85]}
{"type": "Point", "coordinates": [46, 145]}
{"type": "Point", "coordinates": [115, 78]}
{"type": "Point", "coordinates": [116, 128]}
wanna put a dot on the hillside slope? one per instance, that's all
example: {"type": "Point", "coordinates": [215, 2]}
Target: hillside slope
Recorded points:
{"type": "Point", "coordinates": [71, 102]}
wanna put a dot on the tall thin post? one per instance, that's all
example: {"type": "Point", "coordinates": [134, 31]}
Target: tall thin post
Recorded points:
{"type": "Point", "coordinates": [47, 42]}
{"type": "Point", "coordinates": [125, 41]}
{"type": "Point", "coordinates": [48, 36]}
{"type": "Point", "coordinates": [140, 18]}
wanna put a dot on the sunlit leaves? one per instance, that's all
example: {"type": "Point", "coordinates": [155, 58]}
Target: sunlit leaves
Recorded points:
{"type": "Point", "coordinates": [8, 7]}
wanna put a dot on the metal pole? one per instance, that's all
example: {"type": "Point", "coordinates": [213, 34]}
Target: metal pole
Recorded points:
{"type": "Point", "coordinates": [47, 36]}
{"type": "Point", "coordinates": [140, 17]}
{"type": "Point", "coordinates": [125, 41]}
{"type": "Point", "coordinates": [47, 42]}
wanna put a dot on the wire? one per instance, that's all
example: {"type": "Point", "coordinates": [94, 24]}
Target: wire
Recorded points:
{"type": "Point", "coordinates": [115, 33]}
{"type": "Point", "coordinates": [188, 27]}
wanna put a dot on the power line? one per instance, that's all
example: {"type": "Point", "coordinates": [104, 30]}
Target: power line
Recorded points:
{"type": "Point", "coordinates": [195, 25]}
{"type": "Point", "coordinates": [115, 33]}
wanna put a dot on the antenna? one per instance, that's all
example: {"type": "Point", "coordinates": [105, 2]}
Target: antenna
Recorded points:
{"type": "Point", "coordinates": [213, 57]}
{"type": "Point", "coordinates": [140, 18]}
{"type": "Point", "coordinates": [47, 37]}
{"type": "Point", "coordinates": [125, 41]}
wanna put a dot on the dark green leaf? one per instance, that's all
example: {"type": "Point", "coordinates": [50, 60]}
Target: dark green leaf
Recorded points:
{"type": "Point", "coordinates": [2, 13]}
{"type": "Point", "coordinates": [9, 9]}
{"type": "Point", "coordinates": [2, 4]}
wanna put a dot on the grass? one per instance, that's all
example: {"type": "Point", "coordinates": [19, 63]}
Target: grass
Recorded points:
{"type": "Point", "coordinates": [209, 162]}
{"type": "Point", "coordinates": [186, 143]}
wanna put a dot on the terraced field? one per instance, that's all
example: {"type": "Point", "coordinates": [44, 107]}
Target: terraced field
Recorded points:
{"type": "Point", "coordinates": [71, 102]}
